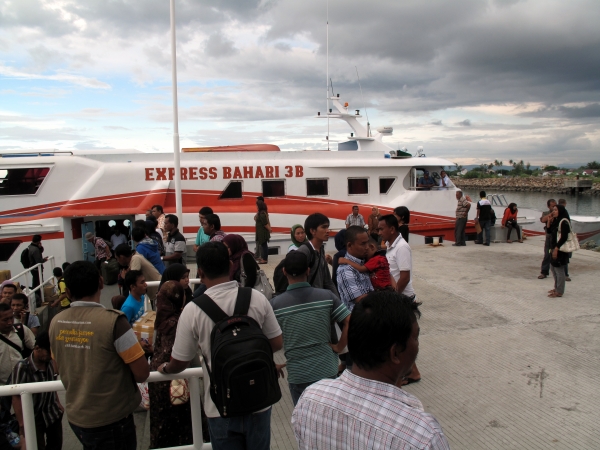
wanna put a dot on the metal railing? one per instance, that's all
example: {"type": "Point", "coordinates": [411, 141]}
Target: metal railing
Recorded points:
{"type": "Point", "coordinates": [26, 390]}
{"type": "Point", "coordinates": [25, 287]}
{"type": "Point", "coordinates": [156, 283]}
{"type": "Point", "coordinates": [498, 200]}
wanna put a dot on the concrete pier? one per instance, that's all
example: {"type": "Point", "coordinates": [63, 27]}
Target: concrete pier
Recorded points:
{"type": "Point", "coordinates": [503, 365]}
{"type": "Point", "coordinates": [578, 185]}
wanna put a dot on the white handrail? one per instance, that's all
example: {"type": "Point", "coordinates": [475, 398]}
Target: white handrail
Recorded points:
{"type": "Point", "coordinates": [156, 283]}
{"type": "Point", "coordinates": [27, 389]}
{"type": "Point", "coordinates": [40, 287]}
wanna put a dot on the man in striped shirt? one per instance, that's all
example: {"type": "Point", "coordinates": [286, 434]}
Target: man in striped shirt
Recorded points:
{"type": "Point", "coordinates": [305, 315]}
{"type": "Point", "coordinates": [363, 408]}
{"type": "Point", "coordinates": [48, 410]}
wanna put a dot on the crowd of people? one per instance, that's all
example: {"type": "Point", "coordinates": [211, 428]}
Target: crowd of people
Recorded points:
{"type": "Point", "coordinates": [348, 325]}
{"type": "Point", "coordinates": [320, 357]}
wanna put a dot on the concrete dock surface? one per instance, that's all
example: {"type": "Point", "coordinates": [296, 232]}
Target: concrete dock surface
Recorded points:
{"type": "Point", "coordinates": [503, 366]}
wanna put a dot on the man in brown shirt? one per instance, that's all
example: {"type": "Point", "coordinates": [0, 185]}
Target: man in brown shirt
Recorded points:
{"type": "Point", "coordinates": [462, 213]}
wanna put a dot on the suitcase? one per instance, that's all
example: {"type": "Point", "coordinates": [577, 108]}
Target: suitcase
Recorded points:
{"type": "Point", "coordinates": [110, 271]}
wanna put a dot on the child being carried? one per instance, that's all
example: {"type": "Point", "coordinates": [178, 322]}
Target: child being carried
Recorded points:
{"type": "Point", "coordinates": [377, 266]}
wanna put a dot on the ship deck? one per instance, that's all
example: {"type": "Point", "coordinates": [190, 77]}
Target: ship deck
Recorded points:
{"type": "Point", "coordinates": [503, 365]}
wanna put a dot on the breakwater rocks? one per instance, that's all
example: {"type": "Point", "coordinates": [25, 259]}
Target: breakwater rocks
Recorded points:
{"type": "Point", "coordinates": [529, 184]}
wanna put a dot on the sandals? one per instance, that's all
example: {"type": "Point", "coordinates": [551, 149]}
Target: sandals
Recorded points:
{"type": "Point", "coordinates": [542, 276]}
{"type": "Point", "coordinates": [262, 261]}
{"type": "Point", "coordinates": [509, 241]}
{"type": "Point", "coordinates": [554, 295]}
{"type": "Point", "coordinates": [520, 241]}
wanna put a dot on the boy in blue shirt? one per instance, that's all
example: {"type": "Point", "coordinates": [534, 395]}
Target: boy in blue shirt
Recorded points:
{"type": "Point", "coordinates": [134, 304]}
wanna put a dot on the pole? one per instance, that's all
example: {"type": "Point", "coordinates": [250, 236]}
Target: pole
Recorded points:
{"type": "Point", "coordinates": [29, 420]}
{"type": "Point", "coordinates": [327, 80]}
{"type": "Point", "coordinates": [176, 144]}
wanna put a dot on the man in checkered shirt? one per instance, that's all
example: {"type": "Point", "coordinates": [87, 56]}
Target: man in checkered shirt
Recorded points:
{"type": "Point", "coordinates": [363, 408]}
{"type": "Point", "coordinates": [355, 218]}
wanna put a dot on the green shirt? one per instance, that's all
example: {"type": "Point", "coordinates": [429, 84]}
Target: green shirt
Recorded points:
{"type": "Point", "coordinates": [201, 238]}
{"type": "Point", "coordinates": [305, 315]}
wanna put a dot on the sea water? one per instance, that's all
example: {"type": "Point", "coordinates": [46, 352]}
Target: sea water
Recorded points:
{"type": "Point", "coordinates": [579, 205]}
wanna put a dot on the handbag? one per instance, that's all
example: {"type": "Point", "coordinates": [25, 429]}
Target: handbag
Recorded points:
{"type": "Point", "coordinates": [572, 243]}
{"type": "Point", "coordinates": [179, 392]}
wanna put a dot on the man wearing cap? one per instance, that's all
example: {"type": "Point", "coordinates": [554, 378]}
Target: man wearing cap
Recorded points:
{"type": "Point", "coordinates": [305, 315]}
{"type": "Point", "coordinates": [425, 182]}
{"type": "Point", "coordinates": [101, 248]}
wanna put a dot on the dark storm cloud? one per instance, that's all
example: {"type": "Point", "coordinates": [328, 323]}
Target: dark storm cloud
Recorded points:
{"type": "Point", "coordinates": [464, 123]}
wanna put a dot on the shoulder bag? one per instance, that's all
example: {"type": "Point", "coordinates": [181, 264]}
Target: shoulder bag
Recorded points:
{"type": "Point", "coordinates": [572, 243]}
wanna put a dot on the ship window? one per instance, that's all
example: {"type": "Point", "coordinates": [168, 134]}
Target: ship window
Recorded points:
{"type": "Point", "coordinates": [273, 188]}
{"type": "Point", "coordinates": [317, 187]}
{"type": "Point", "coordinates": [385, 184]}
{"type": "Point", "coordinates": [22, 181]}
{"type": "Point", "coordinates": [233, 190]}
{"type": "Point", "coordinates": [7, 249]}
{"type": "Point", "coordinates": [358, 186]}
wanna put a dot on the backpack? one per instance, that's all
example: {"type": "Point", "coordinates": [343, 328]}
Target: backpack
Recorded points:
{"type": "Point", "coordinates": [243, 378]}
{"type": "Point", "coordinates": [492, 217]}
{"type": "Point", "coordinates": [279, 278]}
{"type": "Point", "coordinates": [25, 261]}
{"type": "Point", "coordinates": [261, 284]}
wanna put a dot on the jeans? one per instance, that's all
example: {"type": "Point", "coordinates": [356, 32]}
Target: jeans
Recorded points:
{"type": "Point", "coordinates": [264, 251]}
{"type": "Point", "coordinates": [252, 431]}
{"type": "Point", "coordinates": [119, 435]}
{"type": "Point", "coordinates": [559, 278]}
{"type": "Point", "coordinates": [459, 231]}
{"type": "Point", "coordinates": [545, 270]}
{"type": "Point", "coordinates": [297, 389]}
{"type": "Point", "coordinates": [510, 227]}
{"type": "Point", "coordinates": [485, 226]}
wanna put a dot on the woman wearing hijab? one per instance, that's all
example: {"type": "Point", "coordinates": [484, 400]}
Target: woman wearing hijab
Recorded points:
{"type": "Point", "coordinates": [373, 222]}
{"type": "Point", "coordinates": [238, 255]}
{"type": "Point", "coordinates": [298, 237]}
{"type": "Point", "coordinates": [559, 229]}
{"type": "Point", "coordinates": [180, 273]}
{"type": "Point", "coordinates": [510, 222]}
{"type": "Point", "coordinates": [169, 425]}
{"type": "Point", "coordinates": [403, 215]}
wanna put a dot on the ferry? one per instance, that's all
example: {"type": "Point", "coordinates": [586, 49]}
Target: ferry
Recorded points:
{"type": "Point", "coordinates": [61, 195]}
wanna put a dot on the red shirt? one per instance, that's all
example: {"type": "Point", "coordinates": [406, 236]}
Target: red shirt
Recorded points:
{"type": "Point", "coordinates": [379, 268]}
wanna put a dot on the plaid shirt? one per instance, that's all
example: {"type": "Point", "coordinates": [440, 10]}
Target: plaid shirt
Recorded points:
{"type": "Point", "coordinates": [352, 412]}
{"type": "Point", "coordinates": [102, 250]}
{"type": "Point", "coordinates": [351, 283]}
{"type": "Point", "coordinates": [355, 220]}
{"type": "Point", "coordinates": [461, 208]}
{"type": "Point", "coordinates": [45, 405]}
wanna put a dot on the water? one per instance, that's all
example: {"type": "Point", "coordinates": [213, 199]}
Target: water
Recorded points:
{"type": "Point", "coordinates": [581, 205]}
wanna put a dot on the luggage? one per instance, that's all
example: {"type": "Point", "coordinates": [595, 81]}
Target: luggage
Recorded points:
{"type": "Point", "coordinates": [110, 271]}
{"type": "Point", "coordinates": [243, 377]}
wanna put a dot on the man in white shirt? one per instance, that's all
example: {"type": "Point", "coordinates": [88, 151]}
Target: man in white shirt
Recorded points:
{"type": "Point", "coordinates": [398, 253]}
{"type": "Point", "coordinates": [445, 181]}
{"type": "Point", "coordinates": [251, 431]}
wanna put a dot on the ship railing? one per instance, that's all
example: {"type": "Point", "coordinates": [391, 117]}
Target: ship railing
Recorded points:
{"type": "Point", "coordinates": [497, 200]}
{"type": "Point", "coordinates": [27, 390]}
{"type": "Point", "coordinates": [156, 283]}
{"type": "Point", "coordinates": [31, 292]}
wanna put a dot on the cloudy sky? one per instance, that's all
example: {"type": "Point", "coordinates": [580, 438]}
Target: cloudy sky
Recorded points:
{"type": "Point", "coordinates": [469, 80]}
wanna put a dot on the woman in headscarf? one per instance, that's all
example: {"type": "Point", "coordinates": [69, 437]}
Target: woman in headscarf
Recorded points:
{"type": "Point", "coordinates": [169, 425]}
{"type": "Point", "coordinates": [238, 255]}
{"type": "Point", "coordinates": [509, 221]}
{"type": "Point", "coordinates": [403, 215]}
{"type": "Point", "coordinates": [180, 273]}
{"type": "Point", "coordinates": [298, 237]}
{"type": "Point", "coordinates": [559, 229]}
{"type": "Point", "coordinates": [374, 223]}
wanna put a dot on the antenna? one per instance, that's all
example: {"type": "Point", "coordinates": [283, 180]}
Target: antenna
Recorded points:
{"type": "Point", "coordinates": [327, 79]}
{"type": "Point", "coordinates": [364, 104]}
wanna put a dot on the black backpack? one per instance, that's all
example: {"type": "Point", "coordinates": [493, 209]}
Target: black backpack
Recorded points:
{"type": "Point", "coordinates": [280, 280]}
{"type": "Point", "coordinates": [25, 261]}
{"type": "Point", "coordinates": [243, 378]}
{"type": "Point", "coordinates": [25, 352]}
{"type": "Point", "coordinates": [492, 217]}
